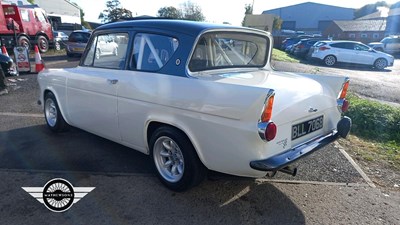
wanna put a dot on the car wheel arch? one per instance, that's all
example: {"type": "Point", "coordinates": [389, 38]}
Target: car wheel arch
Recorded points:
{"type": "Point", "coordinates": [380, 58]}
{"type": "Point", "coordinates": [61, 107]}
{"type": "Point", "coordinates": [153, 125]}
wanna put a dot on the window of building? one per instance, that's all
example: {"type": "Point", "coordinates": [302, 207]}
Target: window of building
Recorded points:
{"type": "Point", "coordinates": [151, 51]}
{"type": "Point", "coordinates": [375, 36]}
{"type": "Point", "coordinates": [107, 51]}
{"type": "Point", "coordinates": [364, 35]}
{"type": "Point", "coordinates": [352, 35]}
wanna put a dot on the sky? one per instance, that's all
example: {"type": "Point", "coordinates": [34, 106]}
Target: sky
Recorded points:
{"type": "Point", "coordinates": [215, 11]}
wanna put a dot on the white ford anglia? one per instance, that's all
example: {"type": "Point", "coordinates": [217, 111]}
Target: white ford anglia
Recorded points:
{"type": "Point", "coordinates": [196, 97]}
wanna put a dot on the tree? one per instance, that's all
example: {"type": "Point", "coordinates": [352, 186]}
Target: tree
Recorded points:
{"type": "Point", "coordinates": [395, 5]}
{"type": "Point", "coordinates": [277, 24]}
{"type": "Point", "coordinates": [31, 1]}
{"type": "Point", "coordinates": [83, 22]}
{"type": "Point", "coordinates": [192, 11]}
{"type": "Point", "coordinates": [248, 11]}
{"type": "Point", "coordinates": [114, 12]}
{"type": "Point", "coordinates": [169, 12]}
{"type": "Point", "coordinates": [368, 9]}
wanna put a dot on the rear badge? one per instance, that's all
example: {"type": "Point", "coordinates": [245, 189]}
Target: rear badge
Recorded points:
{"type": "Point", "coordinates": [283, 143]}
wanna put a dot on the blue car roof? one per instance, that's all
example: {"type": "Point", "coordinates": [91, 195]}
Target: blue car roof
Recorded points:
{"type": "Point", "coordinates": [179, 26]}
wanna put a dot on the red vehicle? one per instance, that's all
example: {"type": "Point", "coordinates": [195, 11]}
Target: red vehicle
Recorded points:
{"type": "Point", "coordinates": [31, 24]}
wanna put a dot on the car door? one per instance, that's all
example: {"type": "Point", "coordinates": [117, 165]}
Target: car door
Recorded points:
{"type": "Point", "coordinates": [364, 55]}
{"type": "Point", "coordinates": [390, 45]}
{"type": "Point", "coordinates": [92, 94]}
{"type": "Point", "coordinates": [396, 45]}
{"type": "Point", "coordinates": [140, 86]}
{"type": "Point", "coordinates": [343, 51]}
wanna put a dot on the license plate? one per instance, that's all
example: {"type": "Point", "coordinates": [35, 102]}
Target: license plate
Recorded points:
{"type": "Point", "coordinates": [306, 127]}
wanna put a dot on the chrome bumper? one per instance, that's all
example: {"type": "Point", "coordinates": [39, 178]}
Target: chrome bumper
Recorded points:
{"type": "Point", "coordinates": [282, 160]}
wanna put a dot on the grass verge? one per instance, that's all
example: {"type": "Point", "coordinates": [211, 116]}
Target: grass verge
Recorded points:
{"type": "Point", "coordinates": [376, 130]}
{"type": "Point", "coordinates": [279, 55]}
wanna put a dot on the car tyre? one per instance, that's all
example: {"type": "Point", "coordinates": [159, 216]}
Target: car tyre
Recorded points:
{"type": "Point", "coordinates": [43, 44]}
{"type": "Point", "coordinates": [54, 118]}
{"type": "Point", "coordinates": [330, 60]}
{"type": "Point", "coordinates": [24, 42]}
{"type": "Point", "coordinates": [380, 63]}
{"type": "Point", "coordinates": [175, 159]}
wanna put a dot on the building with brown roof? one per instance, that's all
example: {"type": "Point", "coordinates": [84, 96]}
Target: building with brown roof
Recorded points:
{"type": "Point", "coordinates": [357, 30]}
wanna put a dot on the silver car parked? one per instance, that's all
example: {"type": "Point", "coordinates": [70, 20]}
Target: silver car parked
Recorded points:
{"type": "Point", "coordinates": [77, 42]}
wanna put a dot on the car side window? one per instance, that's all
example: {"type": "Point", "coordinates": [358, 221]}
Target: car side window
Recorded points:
{"type": "Point", "coordinates": [152, 51]}
{"type": "Point", "coordinates": [359, 47]}
{"type": "Point", "coordinates": [339, 45]}
{"type": "Point", "coordinates": [108, 51]}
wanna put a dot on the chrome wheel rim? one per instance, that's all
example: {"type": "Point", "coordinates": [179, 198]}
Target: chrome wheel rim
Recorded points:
{"type": "Point", "coordinates": [43, 44]}
{"type": "Point", "coordinates": [380, 64]}
{"type": "Point", "coordinates": [168, 159]}
{"type": "Point", "coordinates": [51, 112]}
{"type": "Point", "coordinates": [330, 60]}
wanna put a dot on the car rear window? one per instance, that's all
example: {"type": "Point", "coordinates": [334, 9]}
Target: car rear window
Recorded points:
{"type": "Point", "coordinates": [216, 50]}
{"type": "Point", "coordinates": [82, 37]}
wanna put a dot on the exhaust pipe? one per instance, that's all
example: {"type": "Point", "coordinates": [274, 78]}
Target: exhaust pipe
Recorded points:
{"type": "Point", "coordinates": [289, 171]}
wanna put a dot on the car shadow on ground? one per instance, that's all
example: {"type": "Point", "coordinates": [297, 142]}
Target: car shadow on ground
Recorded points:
{"type": "Point", "coordinates": [37, 148]}
{"type": "Point", "coordinates": [75, 155]}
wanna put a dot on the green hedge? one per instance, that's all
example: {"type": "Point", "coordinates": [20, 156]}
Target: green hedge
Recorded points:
{"type": "Point", "coordinates": [373, 120]}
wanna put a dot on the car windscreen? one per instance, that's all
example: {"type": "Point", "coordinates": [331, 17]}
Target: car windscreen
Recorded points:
{"type": "Point", "coordinates": [215, 50]}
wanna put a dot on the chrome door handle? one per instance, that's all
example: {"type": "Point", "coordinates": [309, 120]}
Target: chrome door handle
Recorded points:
{"type": "Point", "coordinates": [112, 81]}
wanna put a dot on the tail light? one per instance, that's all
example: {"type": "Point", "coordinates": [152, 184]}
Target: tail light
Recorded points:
{"type": "Point", "coordinates": [267, 112]}
{"type": "Point", "coordinates": [300, 46]}
{"type": "Point", "coordinates": [270, 131]}
{"type": "Point", "coordinates": [343, 104]}
{"type": "Point", "coordinates": [343, 92]}
{"type": "Point", "coordinates": [323, 48]}
{"type": "Point", "coordinates": [266, 128]}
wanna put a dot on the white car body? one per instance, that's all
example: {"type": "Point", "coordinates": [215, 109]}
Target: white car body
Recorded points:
{"type": "Point", "coordinates": [357, 53]}
{"type": "Point", "coordinates": [218, 110]}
